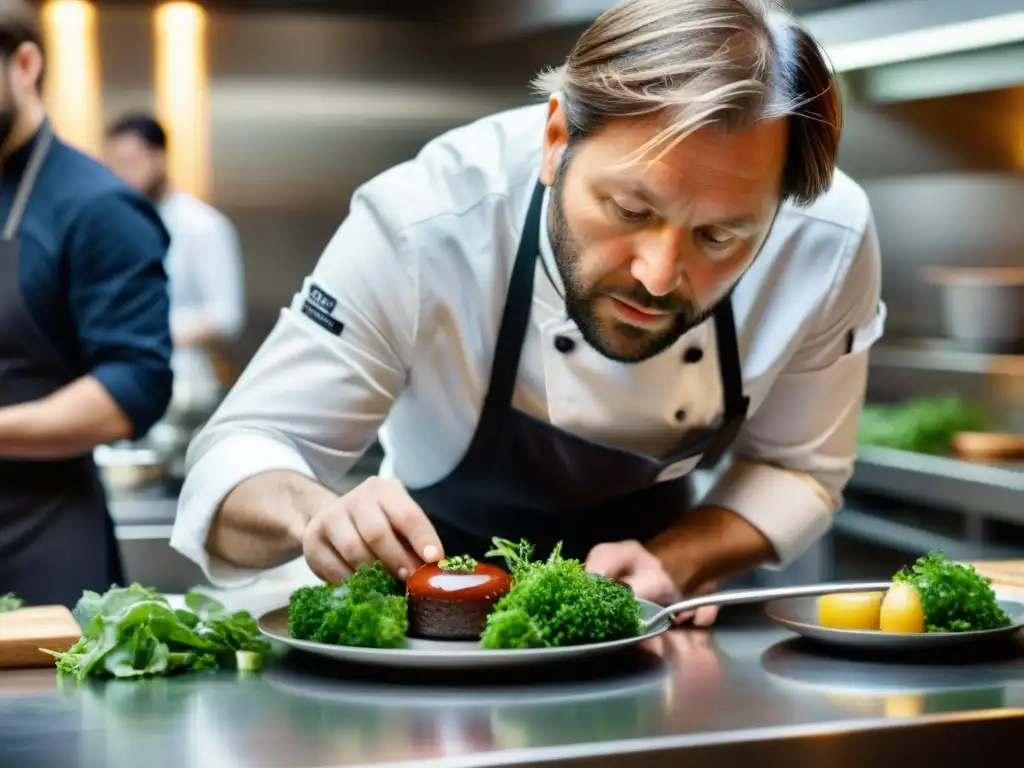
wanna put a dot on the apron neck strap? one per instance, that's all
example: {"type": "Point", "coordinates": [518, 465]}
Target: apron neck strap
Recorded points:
{"type": "Point", "coordinates": [729, 366]}
{"type": "Point", "coordinates": [516, 317]}
{"type": "Point", "coordinates": [28, 182]}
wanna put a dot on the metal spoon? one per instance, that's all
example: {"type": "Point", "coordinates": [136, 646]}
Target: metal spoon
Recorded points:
{"type": "Point", "coordinates": [738, 596]}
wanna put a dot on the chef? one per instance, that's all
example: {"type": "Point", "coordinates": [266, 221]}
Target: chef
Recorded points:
{"type": "Point", "coordinates": [555, 314]}
{"type": "Point", "coordinates": [84, 336]}
{"type": "Point", "coordinates": [204, 263]}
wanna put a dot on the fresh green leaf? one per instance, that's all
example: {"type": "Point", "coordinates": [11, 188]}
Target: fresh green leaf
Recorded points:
{"type": "Point", "coordinates": [133, 633]}
{"type": "Point", "coordinates": [10, 602]}
{"type": "Point", "coordinates": [922, 425]}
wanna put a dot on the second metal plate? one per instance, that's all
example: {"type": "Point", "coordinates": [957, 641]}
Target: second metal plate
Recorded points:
{"type": "Point", "coordinates": [800, 615]}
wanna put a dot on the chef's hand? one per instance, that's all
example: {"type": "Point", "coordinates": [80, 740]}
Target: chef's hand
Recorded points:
{"type": "Point", "coordinates": [633, 564]}
{"type": "Point", "coordinates": [376, 520]}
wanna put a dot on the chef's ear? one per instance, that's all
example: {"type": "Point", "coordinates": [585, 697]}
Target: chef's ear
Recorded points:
{"type": "Point", "coordinates": [556, 138]}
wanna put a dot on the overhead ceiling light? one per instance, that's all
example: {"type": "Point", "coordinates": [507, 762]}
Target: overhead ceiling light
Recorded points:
{"type": "Point", "coordinates": [930, 41]}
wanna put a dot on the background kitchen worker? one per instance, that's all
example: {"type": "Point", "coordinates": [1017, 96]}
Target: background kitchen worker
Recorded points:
{"type": "Point", "coordinates": [204, 264]}
{"type": "Point", "coordinates": [84, 336]}
{"type": "Point", "coordinates": [556, 313]}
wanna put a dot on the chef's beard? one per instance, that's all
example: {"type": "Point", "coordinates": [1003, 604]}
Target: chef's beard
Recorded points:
{"type": "Point", "coordinates": [156, 190]}
{"type": "Point", "coordinates": [8, 117]}
{"type": "Point", "coordinates": [621, 342]}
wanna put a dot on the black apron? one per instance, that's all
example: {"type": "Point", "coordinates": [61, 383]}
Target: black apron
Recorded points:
{"type": "Point", "coordinates": [523, 477]}
{"type": "Point", "coordinates": [56, 535]}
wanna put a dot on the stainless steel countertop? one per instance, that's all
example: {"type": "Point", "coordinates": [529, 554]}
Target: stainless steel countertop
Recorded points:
{"type": "Point", "coordinates": [713, 696]}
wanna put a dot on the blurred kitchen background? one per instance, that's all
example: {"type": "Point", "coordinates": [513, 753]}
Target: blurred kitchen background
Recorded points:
{"type": "Point", "coordinates": [276, 111]}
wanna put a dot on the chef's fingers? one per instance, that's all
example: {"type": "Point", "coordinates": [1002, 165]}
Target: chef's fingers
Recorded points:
{"type": "Point", "coordinates": [705, 616]}
{"type": "Point", "coordinates": [411, 522]}
{"type": "Point", "coordinates": [652, 584]}
{"type": "Point", "coordinates": [615, 560]}
{"type": "Point", "coordinates": [341, 532]}
{"type": "Point", "coordinates": [321, 556]}
{"type": "Point", "coordinates": [702, 617]}
{"type": "Point", "coordinates": [376, 534]}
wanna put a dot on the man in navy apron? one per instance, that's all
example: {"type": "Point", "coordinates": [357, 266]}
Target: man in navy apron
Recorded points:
{"type": "Point", "coordinates": [84, 338]}
{"type": "Point", "coordinates": [556, 314]}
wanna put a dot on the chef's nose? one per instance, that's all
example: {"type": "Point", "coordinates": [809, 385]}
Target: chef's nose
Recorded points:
{"type": "Point", "coordinates": [658, 259]}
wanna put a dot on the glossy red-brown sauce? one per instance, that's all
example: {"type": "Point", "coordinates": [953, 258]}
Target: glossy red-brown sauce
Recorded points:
{"type": "Point", "coordinates": [484, 583]}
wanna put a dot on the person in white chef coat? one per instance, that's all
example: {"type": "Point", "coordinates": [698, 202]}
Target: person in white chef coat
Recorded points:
{"type": "Point", "coordinates": [555, 314]}
{"type": "Point", "coordinates": [204, 263]}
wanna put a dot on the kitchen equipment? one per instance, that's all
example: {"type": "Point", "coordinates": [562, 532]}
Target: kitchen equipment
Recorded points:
{"type": "Point", "coordinates": [24, 631]}
{"type": "Point", "coordinates": [125, 466]}
{"type": "Point", "coordinates": [982, 307]}
{"type": "Point", "coordinates": [800, 614]}
{"type": "Point", "coordinates": [988, 445]}
{"type": "Point", "coordinates": [439, 654]}
{"type": "Point", "coordinates": [196, 395]}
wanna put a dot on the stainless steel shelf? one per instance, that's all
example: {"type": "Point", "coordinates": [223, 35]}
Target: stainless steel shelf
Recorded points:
{"type": "Point", "coordinates": [874, 528]}
{"type": "Point", "coordinates": [945, 356]}
{"type": "Point", "coordinates": [987, 490]}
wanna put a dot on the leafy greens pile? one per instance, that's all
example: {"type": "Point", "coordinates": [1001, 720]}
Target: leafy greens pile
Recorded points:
{"type": "Point", "coordinates": [10, 602]}
{"type": "Point", "coordinates": [955, 597]}
{"type": "Point", "coordinates": [924, 425]}
{"type": "Point", "coordinates": [133, 632]}
{"type": "Point", "coordinates": [368, 610]}
{"type": "Point", "coordinates": [556, 602]}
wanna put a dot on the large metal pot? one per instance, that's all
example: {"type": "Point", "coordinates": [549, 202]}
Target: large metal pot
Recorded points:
{"type": "Point", "coordinates": [125, 467]}
{"type": "Point", "coordinates": [982, 308]}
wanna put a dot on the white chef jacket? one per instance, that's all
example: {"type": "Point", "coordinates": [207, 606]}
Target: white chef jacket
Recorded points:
{"type": "Point", "coordinates": [411, 290]}
{"type": "Point", "coordinates": [205, 283]}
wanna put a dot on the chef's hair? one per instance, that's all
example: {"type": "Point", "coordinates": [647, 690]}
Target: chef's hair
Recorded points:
{"type": "Point", "coordinates": [143, 126]}
{"type": "Point", "coordinates": [19, 25]}
{"type": "Point", "coordinates": [703, 62]}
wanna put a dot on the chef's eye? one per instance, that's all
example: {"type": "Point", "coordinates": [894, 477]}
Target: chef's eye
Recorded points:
{"type": "Point", "coordinates": [714, 239]}
{"type": "Point", "coordinates": [629, 215]}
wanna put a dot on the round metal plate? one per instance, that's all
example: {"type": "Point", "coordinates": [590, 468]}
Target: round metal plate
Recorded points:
{"type": "Point", "coordinates": [800, 615]}
{"type": "Point", "coordinates": [441, 654]}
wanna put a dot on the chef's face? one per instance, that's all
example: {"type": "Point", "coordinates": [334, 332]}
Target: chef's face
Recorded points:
{"type": "Point", "coordinates": [19, 74]}
{"type": "Point", "coordinates": [142, 167]}
{"type": "Point", "coordinates": [8, 107]}
{"type": "Point", "coordinates": [647, 249]}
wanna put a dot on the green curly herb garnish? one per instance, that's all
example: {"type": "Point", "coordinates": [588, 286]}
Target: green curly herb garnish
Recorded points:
{"type": "Point", "coordinates": [458, 563]}
{"type": "Point", "coordinates": [367, 610]}
{"type": "Point", "coordinates": [556, 602]}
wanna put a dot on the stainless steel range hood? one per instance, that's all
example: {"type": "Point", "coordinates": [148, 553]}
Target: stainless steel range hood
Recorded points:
{"type": "Point", "coordinates": [901, 49]}
{"type": "Point", "coordinates": [913, 49]}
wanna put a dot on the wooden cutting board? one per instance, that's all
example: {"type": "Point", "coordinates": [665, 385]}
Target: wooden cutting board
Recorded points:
{"type": "Point", "coordinates": [1003, 573]}
{"type": "Point", "coordinates": [24, 631]}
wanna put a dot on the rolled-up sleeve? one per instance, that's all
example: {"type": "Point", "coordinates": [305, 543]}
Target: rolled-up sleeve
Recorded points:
{"type": "Point", "coordinates": [115, 252]}
{"type": "Point", "coordinates": [313, 397]}
{"type": "Point", "coordinates": [795, 455]}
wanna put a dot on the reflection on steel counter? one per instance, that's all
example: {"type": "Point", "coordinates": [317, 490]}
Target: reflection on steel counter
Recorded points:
{"type": "Point", "coordinates": [703, 698]}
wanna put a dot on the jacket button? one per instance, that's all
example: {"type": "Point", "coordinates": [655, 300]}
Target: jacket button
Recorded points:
{"type": "Point", "coordinates": [564, 344]}
{"type": "Point", "coordinates": [693, 355]}
{"type": "Point", "coordinates": [680, 415]}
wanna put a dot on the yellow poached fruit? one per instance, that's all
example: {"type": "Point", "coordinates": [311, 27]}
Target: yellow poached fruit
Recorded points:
{"type": "Point", "coordinates": [851, 610]}
{"type": "Point", "coordinates": [901, 610]}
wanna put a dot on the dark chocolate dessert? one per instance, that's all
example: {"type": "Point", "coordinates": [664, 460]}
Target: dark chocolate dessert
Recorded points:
{"type": "Point", "coordinates": [451, 600]}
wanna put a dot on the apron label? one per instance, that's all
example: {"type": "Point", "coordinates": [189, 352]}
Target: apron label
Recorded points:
{"type": "Point", "coordinates": [321, 318]}
{"type": "Point", "coordinates": [320, 299]}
